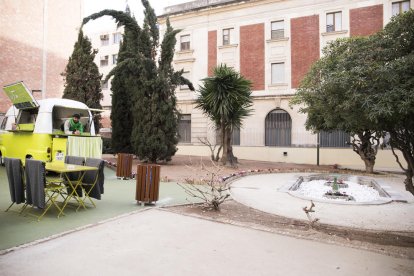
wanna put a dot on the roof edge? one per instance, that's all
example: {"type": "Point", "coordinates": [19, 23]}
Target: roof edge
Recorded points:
{"type": "Point", "coordinates": [197, 6]}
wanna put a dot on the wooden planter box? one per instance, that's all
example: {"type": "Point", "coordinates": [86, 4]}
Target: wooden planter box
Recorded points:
{"type": "Point", "coordinates": [148, 183]}
{"type": "Point", "coordinates": [124, 165]}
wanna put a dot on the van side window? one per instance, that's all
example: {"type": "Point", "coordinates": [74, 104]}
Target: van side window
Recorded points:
{"type": "Point", "coordinates": [3, 121]}
{"type": "Point", "coordinates": [27, 116]}
{"type": "Point", "coordinates": [61, 114]}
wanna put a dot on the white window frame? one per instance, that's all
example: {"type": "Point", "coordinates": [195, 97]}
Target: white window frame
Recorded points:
{"type": "Point", "coordinates": [277, 33]}
{"type": "Point", "coordinates": [185, 117]}
{"type": "Point", "coordinates": [104, 39]}
{"type": "Point", "coordinates": [186, 48]}
{"type": "Point", "coordinates": [400, 6]}
{"type": "Point", "coordinates": [335, 27]}
{"type": "Point", "coordinates": [104, 61]}
{"type": "Point", "coordinates": [280, 80]}
{"type": "Point", "coordinates": [116, 38]}
{"type": "Point", "coordinates": [230, 35]}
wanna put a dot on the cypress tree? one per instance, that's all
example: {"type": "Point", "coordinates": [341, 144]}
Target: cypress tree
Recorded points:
{"type": "Point", "coordinates": [121, 113]}
{"type": "Point", "coordinates": [150, 83]}
{"type": "Point", "coordinates": [82, 78]}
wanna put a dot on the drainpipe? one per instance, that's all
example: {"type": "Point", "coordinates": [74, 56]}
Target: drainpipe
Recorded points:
{"type": "Point", "coordinates": [44, 54]}
{"type": "Point", "coordinates": [317, 148]}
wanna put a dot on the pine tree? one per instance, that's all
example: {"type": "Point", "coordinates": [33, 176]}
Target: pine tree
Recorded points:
{"type": "Point", "coordinates": [82, 78]}
{"type": "Point", "coordinates": [150, 84]}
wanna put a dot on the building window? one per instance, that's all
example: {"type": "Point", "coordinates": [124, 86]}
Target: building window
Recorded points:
{"type": "Point", "coordinates": [104, 40]}
{"type": "Point", "coordinates": [227, 36]}
{"type": "Point", "coordinates": [333, 22]}
{"type": "Point", "coordinates": [104, 61]}
{"type": "Point", "coordinates": [184, 129]}
{"type": "Point", "coordinates": [334, 139]}
{"type": "Point", "coordinates": [235, 136]}
{"type": "Point", "coordinates": [114, 59]}
{"type": "Point", "coordinates": [278, 129]}
{"type": "Point", "coordinates": [278, 73]}
{"type": "Point", "coordinates": [399, 7]}
{"type": "Point", "coordinates": [278, 29]}
{"type": "Point", "coordinates": [186, 74]}
{"type": "Point", "coordinates": [104, 84]}
{"type": "Point", "coordinates": [185, 42]}
{"type": "Point", "coordinates": [116, 38]}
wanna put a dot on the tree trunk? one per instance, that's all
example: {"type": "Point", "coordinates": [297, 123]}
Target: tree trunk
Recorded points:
{"type": "Point", "coordinates": [409, 172]}
{"type": "Point", "coordinates": [232, 160]}
{"type": "Point", "coordinates": [404, 141]}
{"type": "Point", "coordinates": [369, 165]}
{"type": "Point", "coordinates": [217, 158]}
{"type": "Point", "coordinates": [409, 180]}
{"type": "Point", "coordinates": [223, 142]}
{"type": "Point", "coordinates": [366, 149]}
{"type": "Point", "coordinates": [228, 157]}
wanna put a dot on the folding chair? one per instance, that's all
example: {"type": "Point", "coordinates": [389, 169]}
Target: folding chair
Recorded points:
{"type": "Point", "coordinates": [93, 181]}
{"type": "Point", "coordinates": [74, 160]}
{"type": "Point", "coordinates": [15, 175]}
{"type": "Point", "coordinates": [37, 190]}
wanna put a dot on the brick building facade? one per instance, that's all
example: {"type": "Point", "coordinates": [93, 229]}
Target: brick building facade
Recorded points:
{"type": "Point", "coordinates": [36, 42]}
{"type": "Point", "coordinates": [272, 43]}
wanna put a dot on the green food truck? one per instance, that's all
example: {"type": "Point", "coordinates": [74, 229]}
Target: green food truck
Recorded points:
{"type": "Point", "coordinates": [34, 129]}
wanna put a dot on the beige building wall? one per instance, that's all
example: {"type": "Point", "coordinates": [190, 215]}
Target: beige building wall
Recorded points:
{"type": "Point", "coordinates": [198, 22]}
{"type": "Point", "coordinates": [328, 156]}
{"type": "Point", "coordinates": [36, 42]}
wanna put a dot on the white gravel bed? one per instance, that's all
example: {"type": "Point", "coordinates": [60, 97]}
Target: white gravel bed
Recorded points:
{"type": "Point", "coordinates": [317, 188]}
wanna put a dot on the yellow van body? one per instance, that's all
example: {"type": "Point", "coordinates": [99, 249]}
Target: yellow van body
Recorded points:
{"type": "Point", "coordinates": [33, 130]}
{"type": "Point", "coordinates": [27, 145]}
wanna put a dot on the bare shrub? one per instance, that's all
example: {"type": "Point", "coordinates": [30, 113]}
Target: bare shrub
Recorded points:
{"type": "Point", "coordinates": [307, 210]}
{"type": "Point", "coordinates": [215, 156]}
{"type": "Point", "coordinates": [210, 189]}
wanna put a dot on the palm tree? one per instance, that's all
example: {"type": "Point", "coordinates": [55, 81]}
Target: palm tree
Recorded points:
{"type": "Point", "coordinates": [225, 98]}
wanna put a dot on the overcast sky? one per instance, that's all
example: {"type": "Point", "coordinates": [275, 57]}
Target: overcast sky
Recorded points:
{"type": "Point", "coordinates": [93, 6]}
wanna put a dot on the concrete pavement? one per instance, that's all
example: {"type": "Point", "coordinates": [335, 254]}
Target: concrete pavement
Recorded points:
{"type": "Point", "coordinates": [268, 193]}
{"type": "Point", "coordinates": [156, 242]}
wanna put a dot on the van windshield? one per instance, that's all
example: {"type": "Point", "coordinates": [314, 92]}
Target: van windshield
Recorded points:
{"type": "Point", "coordinates": [60, 114]}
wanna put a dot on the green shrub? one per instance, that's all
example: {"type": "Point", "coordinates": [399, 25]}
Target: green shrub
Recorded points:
{"type": "Point", "coordinates": [107, 146]}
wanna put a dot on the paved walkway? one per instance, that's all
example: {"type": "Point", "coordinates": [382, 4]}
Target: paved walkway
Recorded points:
{"type": "Point", "coordinates": [268, 193]}
{"type": "Point", "coordinates": [157, 242]}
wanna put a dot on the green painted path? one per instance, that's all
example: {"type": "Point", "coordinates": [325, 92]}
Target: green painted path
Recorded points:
{"type": "Point", "coordinates": [118, 199]}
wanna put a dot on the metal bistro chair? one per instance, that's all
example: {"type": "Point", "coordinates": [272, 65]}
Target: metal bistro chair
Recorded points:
{"type": "Point", "coordinates": [15, 175]}
{"type": "Point", "coordinates": [74, 176]}
{"type": "Point", "coordinates": [38, 189]}
{"type": "Point", "coordinates": [93, 181]}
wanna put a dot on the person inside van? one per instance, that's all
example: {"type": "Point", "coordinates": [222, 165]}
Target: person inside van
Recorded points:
{"type": "Point", "coordinates": [73, 125]}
